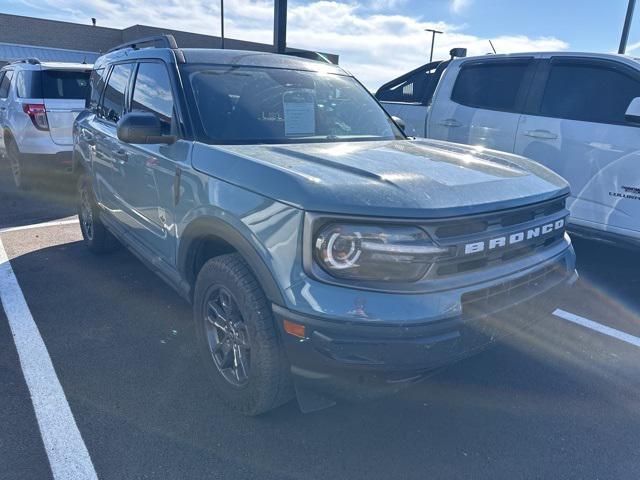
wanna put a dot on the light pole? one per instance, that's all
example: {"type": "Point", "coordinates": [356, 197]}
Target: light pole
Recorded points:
{"type": "Point", "coordinates": [280, 26]}
{"type": "Point", "coordinates": [433, 40]}
{"type": "Point", "coordinates": [222, 24]}
{"type": "Point", "coordinates": [627, 27]}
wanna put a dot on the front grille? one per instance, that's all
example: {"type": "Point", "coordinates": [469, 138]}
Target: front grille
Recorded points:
{"type": "Point", "coordinates": [509, 218]}
{"type": "Point", "coordinates": [458, 229]}
{"type": "Point", "coordinates": [458, 233]}
{"type": "Point", "coordinates": [492, 299]}
{"type": "Point", "coordinates": [460, 265]}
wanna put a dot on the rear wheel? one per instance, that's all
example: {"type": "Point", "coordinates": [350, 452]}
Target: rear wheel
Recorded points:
{"type": "Point", "coordinates": [96, 237]}
{"type": "Point", "coordinates": [16, 163]}
{"type": "Point", "coordinates": [238, 339]}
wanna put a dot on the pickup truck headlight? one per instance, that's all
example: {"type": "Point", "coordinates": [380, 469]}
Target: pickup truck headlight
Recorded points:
{"type": "Point", "coordinates": [375, 253]}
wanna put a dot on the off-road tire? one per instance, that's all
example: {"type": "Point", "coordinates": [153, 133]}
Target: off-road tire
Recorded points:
{"type": "Point", "coordinates": [268, 384]}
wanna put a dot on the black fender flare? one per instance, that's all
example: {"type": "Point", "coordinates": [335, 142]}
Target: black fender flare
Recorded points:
{"type": "Point", "coordinates": [212, 227]}
{"type": "Point", "coordinates": [78, 161]}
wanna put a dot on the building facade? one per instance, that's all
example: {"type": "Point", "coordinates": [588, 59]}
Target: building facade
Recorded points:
{"type": "Point", "coordinates": [23, 37]}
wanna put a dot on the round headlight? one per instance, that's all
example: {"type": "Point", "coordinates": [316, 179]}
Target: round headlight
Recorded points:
{"type": "Point", "coordinates": [343, 251]}
{"type": "Point", "coordinates": [373, 253]}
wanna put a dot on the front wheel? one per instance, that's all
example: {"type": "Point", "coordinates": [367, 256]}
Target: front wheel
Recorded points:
{"type": "Point", "coordinates": [237, 337]}
{"type": "Point", "coordinates": [96, 237]}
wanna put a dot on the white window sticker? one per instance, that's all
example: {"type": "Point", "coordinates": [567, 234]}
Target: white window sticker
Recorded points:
{"type": "Point", "coordinates": [299, 112]}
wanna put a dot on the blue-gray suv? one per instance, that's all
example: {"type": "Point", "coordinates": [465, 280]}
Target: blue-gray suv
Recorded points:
{"type": "Point", "coordinates": [326, 254]}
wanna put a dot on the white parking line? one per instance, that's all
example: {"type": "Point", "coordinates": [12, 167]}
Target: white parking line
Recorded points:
{"type": "Point", "coordinates": [598, 327]}
{"type": "Point", "coordinates": [67, 453]}
{"type": "Point", "coordinates": [56, 223]}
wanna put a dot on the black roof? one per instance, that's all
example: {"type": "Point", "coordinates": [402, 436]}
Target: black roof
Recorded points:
{"type": "Point", "coordinates": [255, 59]}
{"type": "Point", "coordinates": [164, 46]}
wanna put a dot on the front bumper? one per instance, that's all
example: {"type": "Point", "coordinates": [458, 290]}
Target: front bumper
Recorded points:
{"type": "Point", "coordinates": [355, 358]}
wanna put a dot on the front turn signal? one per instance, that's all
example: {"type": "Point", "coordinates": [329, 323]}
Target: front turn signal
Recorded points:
{"type": "Point", "coordinates": [294, 329]}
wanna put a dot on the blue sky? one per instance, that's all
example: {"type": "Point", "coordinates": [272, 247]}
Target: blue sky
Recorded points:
{"type": "Point", "coordinates": [376, 39]}
{"type": "Point", "coordinates": [584, 24]}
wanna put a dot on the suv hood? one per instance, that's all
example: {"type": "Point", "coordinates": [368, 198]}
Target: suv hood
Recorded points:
{"type": "Point", "coordinates": [398, 178]}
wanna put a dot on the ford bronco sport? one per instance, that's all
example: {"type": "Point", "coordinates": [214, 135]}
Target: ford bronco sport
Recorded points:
{"type": "Point", "coordinates": [326, 255]}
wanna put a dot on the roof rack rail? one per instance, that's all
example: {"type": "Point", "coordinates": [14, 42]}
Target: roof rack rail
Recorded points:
{"type": "Point", "coordinates": [157, 41]}
{"type": "Point", "coordinates": [32, 61]}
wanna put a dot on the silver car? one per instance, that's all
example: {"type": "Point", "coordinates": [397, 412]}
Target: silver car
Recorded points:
{"type": "Point", "coordinates": [39, 102]}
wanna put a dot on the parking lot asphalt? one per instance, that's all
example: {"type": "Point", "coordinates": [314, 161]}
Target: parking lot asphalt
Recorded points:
{"type": "Point", "coordinates": [560, 401]}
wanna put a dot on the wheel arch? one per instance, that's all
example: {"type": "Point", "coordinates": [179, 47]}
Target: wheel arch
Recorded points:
{"type": "Point", "coordinates": [79, 163]}
{"type": "Point", "coordinates": [208, 237]}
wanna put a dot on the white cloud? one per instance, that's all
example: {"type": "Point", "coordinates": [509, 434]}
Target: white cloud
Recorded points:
{"type": "Point", "coordinates": [376, 46]}
{"type": "Point", "coordinates": [385, 4]}
{"type": "Point", "coordinates": [457, 6]}
{"type": "Point", "coordinates": [630, 48]}
{"type": "Point", "coordinates": [379, 47]}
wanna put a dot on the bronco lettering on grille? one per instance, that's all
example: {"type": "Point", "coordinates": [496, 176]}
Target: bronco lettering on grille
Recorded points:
{"type": "Point", "coordinates": [513, 238]}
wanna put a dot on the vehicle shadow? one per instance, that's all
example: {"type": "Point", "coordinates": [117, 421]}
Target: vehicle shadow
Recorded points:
{"type": "Point", "coordinates": [607, 291]}
{"type": "Point", "coordinates": [122, 343]}
{"type": "Point", "coordinates": [47, 200]}
{"type": "Point", "coordinates": [608, 264]}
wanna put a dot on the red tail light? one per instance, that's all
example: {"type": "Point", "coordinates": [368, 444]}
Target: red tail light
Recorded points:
{"type": "Point", "coordinates": [38, 115]}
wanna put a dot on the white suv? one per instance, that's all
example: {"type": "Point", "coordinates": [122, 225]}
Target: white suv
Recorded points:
{"type": "Point", "coordinates": [39, 102]}
{"type": "Point", "coordinates": [576, 113]}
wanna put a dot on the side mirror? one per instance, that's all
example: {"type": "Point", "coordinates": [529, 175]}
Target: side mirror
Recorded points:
{"type": "Point", "coordinates": [633, 111]}
{"type": "Point", "coordinates": [399, 122]}
{"type": "Point", "coordinates": [458, 52]}
{"type": "Point", "coordinates": [142, 128]}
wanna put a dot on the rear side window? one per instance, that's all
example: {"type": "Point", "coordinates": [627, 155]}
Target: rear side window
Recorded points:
{"type": "Point", "coordinates": [5, 84]}
{"type": "Point", "coordinates": [492, 85]}
{"type": "Point", "coordinates": [60, 84]}
{"type": "Point", "coordinates": [21, 87]}
{"type": "Point", "coordinates": [152, 92]}
{"type": "Point", "coordinates": [113, 100]}
{"type": "Point", "coordinates": [589, 92]}
{"type": "Point", "coordinates": [29, 84]}
{"type": "Point", "coordinates": [411, 87]}
{"type": "Point", "coordinates": [96, 85]}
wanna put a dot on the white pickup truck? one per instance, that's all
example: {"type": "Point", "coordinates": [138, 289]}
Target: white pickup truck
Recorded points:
{"type": "Point", "coordinates": [576, 113]}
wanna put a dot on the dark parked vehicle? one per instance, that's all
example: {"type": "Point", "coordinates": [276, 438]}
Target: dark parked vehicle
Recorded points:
{"type": "Point", "coordinates": [325, 254]}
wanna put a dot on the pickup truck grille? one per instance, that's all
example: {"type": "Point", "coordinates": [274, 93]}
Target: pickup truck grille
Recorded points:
{"type": "Point", "coordinates": [482, 241]}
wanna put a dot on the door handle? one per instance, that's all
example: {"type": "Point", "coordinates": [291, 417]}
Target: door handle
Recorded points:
{"type": "Point", "coordinates": [542, 134]}
{"type": "Point", "coordinates": [90, 139]}
{"type": "Point", "coordinates": [450, 122]}
{"type": "Point", "coordinates": [121, 156]}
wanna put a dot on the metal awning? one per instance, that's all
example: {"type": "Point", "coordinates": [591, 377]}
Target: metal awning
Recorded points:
{"type": "Point", "coordinates": [11, 51]}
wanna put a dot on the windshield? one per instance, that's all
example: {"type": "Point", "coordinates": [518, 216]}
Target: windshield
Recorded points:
{"type": "Point", "coordinates": [266, 105]}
